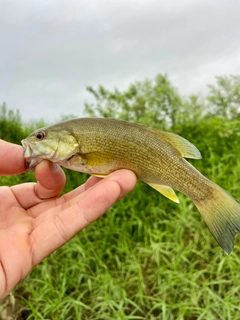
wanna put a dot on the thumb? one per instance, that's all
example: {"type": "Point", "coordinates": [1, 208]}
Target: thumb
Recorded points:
{"type": "Point", "coordinates": [50, 180]}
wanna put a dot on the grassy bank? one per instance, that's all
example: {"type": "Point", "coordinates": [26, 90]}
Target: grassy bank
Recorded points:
{"type": "Point", "coordinates": [147, 258]}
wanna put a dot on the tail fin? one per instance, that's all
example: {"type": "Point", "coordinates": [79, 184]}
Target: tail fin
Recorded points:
{"type": "Point", "coordinates": [221, 213]}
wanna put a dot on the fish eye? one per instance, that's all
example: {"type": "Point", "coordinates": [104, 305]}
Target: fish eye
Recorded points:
{"type": "Point", "coordinates": [40, 135]}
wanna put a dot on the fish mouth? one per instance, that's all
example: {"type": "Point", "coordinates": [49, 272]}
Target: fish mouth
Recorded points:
{"type": "Point", "coordinates": [27, 149]}
{"type": "Point", "coordinates": [31, 160]}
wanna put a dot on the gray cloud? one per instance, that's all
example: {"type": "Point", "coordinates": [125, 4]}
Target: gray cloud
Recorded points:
{"type": "Point", "coordinates": [50, 50]}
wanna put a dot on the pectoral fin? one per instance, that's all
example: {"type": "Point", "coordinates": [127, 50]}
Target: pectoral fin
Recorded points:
{"type": "Point", "coordinates": [166, 191]}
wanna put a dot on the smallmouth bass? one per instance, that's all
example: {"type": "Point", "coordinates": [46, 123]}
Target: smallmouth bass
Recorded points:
{"type": "Point", "coordinates": [100, 146]}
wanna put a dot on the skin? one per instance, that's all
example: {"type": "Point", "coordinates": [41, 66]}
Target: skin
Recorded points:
{"type": "Point", "coordinates": [35, 221]}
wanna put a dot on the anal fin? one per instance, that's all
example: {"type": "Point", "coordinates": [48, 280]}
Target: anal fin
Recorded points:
{"type": "Point", "coordinates": [166, 191]}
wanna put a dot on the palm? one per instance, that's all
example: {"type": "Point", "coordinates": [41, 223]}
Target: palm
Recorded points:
{"type": "Point", "coordinates": [16, 226]}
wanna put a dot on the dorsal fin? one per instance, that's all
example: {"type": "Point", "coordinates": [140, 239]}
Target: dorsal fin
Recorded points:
{"type": "Point", "coordinates": [185, 148]}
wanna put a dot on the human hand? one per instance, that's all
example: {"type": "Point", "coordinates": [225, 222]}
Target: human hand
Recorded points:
{"type": "Point", "coordinates": [34, 221]}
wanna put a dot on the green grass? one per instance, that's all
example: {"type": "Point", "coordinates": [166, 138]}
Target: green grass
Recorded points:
{"type": "Point", "coordinates": [147, 258]}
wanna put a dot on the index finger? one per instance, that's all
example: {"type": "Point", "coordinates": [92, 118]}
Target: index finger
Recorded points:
{"type": "Point", "coordinates": [11, 159]}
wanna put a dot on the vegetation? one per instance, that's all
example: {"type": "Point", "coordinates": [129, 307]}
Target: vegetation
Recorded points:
{"type": "Point", "coordinates": [147, 258]}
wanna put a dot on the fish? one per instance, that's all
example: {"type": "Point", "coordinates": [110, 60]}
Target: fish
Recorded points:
{"type": "Point", "coordinates": [99, 146]}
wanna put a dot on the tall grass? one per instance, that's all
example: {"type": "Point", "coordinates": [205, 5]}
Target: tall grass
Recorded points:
{"type": "Point", "coordinates": [147, 258]}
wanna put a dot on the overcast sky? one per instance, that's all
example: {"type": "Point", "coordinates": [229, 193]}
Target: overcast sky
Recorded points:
{"type": "Point", "coordinates": [50, 50]}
